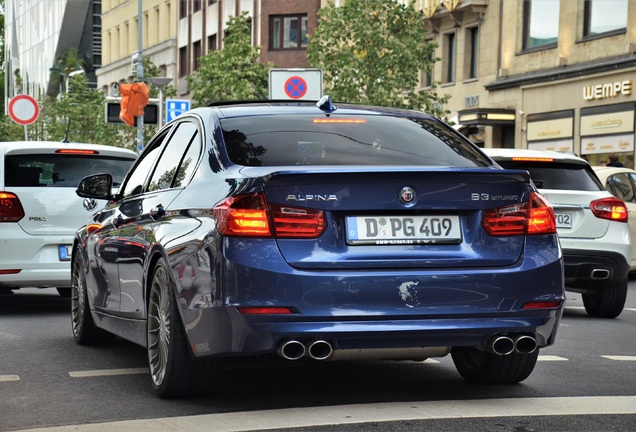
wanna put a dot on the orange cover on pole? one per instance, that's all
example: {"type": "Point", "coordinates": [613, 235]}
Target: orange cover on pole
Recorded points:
{"type": "Point", "coordinates": [134, 98]}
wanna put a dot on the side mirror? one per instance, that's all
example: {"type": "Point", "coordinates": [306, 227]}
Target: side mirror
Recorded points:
{"type": "Point", "coordinates": [97, 186]}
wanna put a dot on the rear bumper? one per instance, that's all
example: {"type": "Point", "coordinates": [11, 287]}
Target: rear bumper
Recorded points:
{"type": "Point", "coordinates": [594, 266]}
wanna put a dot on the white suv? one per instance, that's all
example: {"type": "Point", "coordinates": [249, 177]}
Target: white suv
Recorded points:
{"type": "Point", "coordinates": [40, 211]}
{"type": "Point", "coordinates": [591, 224]}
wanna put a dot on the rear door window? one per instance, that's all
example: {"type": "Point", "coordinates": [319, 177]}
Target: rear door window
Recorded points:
{"type": "Point", "coordinates": [56, 170]}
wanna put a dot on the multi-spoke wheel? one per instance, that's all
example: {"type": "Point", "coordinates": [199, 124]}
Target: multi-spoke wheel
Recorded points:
{"type": "Point", "coordinates": [481, 367]}
{"type": "Point", "coordinates": [84, 330]}
{"type": "Point", "coordinates": [173, 369]}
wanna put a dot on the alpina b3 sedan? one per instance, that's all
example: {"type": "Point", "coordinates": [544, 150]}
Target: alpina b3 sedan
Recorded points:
{"type": "Point", "coordinates": [317, 231]}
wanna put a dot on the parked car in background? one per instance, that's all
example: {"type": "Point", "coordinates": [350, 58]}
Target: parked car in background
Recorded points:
{"type": "Point", "coordinates": [621, 182]}
{"type": "Point", "coordinates": [591, 222]}
{"type": "Point", "coordinates": [319, 232]}
{"type": "Point", "coordinates": [40, 211]}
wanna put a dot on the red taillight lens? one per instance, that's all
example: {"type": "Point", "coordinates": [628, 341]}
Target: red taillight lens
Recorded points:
{"type": "Point", "coordinates": [542, 305]}
{"type": "Point", "coordinates": [528, 218]}
{"type": "Point", "coordinates": [10, 207]}
{"type": "Point", "coordinates": [610, 208]}
{"type": "Point", "coordinates": [250, 216]}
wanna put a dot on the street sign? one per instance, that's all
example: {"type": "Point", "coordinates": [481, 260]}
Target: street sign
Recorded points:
{"type": "Point", "coordinates": [23, 109]}
{"type": "Point", "coordinates": [295, 84]}
{"type": "Point", "coordinates": [176, 107]}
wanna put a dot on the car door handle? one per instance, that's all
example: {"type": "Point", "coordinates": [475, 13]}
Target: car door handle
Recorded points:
{"type": "Point", "coordinates": [157, 212]}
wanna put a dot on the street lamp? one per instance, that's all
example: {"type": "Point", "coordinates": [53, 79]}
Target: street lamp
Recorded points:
{"type": "Point", "coordinates": [161, 83]}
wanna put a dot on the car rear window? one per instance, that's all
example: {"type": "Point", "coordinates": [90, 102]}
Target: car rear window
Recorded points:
{"type": "Point", "coordinates": [345, 140]}
{"type": "Point", "coordinates": [54, 170]}
{"type": "Point", "coordinates": [562, 176]}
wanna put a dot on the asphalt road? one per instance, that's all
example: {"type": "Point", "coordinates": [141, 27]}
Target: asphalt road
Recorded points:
{"type": "Point", "coordinates": [585, 382]}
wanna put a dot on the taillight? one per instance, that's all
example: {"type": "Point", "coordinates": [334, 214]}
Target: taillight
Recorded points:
{"type": "Point", "coordinates": [610, 208]}
{"type": "Point", "coordinates": [528, 218]}
{"type": "Point", "coordinates": [250, 216]}
{"type": "Point", "coordinates": [10, 207]}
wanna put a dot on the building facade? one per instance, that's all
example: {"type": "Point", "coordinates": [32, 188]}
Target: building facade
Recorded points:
{"type": "Point", "coordinates": [120, 37]}
{"type": "Point", "coordinates": [39, 32]}
{"type": "Point", "coordinates": [544, 74]}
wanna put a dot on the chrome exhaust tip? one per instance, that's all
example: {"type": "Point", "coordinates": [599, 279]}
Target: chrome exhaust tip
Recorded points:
{"type": "Point", "coordinates": [320, 350]}
{"type": "Point", "coordinates": [525, 344]}
{"type": "Point", "coordinates": [291, 350]}
{"type": "Point", "coordinates": [600, 274]}
{"type": "Point", "coordinates": [502, 345]}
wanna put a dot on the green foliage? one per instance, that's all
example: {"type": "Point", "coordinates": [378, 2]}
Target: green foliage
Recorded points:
{"type": "Point", "coordinates": [372, 52]}
{"type": "Point", "coordinates": [233, 73]}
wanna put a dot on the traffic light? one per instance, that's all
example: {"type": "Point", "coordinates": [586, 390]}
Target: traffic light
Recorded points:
{"type": "Point", "coordinates": [151, 113]}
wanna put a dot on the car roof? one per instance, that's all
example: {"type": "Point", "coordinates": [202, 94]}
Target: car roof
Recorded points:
{"type": "Point", "coordinates": [29, 147]}
{"type": "Point", "coordinates": [556, 156]}
{"type": "Point", "coordinates": [285, 107]}
{"type": "Point", "coordinates": [609, 170]}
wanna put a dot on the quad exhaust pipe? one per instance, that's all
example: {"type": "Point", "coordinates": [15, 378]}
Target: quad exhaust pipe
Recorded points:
{"type": "Point", "coordinates": [505, 345]}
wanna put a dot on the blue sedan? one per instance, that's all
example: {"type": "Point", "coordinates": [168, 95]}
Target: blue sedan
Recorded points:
{"type": "Point", "coordinates": [317, 232]}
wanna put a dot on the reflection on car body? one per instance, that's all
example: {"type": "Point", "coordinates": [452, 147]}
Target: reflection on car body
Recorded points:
{"type": "Point", "coordinates": [322, 233]}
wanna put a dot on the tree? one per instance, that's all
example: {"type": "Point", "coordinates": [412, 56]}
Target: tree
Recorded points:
{"type": "Point", "coordinates": [233, 73]}
{"type": "Point", "coordinates": [372, 51]}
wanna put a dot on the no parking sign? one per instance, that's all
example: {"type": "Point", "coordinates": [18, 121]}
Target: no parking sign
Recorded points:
{"type": "Point", "coordinates": [295, 84]}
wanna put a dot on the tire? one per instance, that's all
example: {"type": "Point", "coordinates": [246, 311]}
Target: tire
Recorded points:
{"type": "Point", "coordinates": [481, 367]}
{"type": "Point", "coordinates": [174, 371]}
{"type": "Point", "coordinates": [64, 291]}
{"type": "Point", "coordinates": [84, 330]}
{"type": "Point", "coordinates": [607, 300]}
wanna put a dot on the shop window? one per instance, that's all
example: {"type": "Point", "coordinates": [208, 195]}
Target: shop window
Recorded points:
{"type": "Point", "coordinates": [604, 17]}
{"type": "Point", "coordinates": [449, 58]}
{"type": "Point", "coordinates": [288, 32]}
{"type": "Point", "coordinates": [540, 24]}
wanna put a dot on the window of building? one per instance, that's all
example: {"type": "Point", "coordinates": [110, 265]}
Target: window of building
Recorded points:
{"type": "Point", "coordinates": [196, 53]}
{"type": "Point", "coordinates": [212, 43]}
{"type": "Point", "coordinates": [183, 62]}
{"type": "Point", "coordinates": [211, 2]}
{"type": "Point", "coordinates": [196, 5]}
{"type": "Point", "coordinates": [183, 9]}
{"type": "Point", "coordinates": [449, 58]}
{"type": "Point", "coordinates": [605, 16]}
{"type": "Point", "coordinates": [427, 77]}
{"type": "Point", "coordinates": [472, 50]}
{"type": "Point", "coordinates": [540, 23]}
{"type": "Point", "coordinates": [288, 32]}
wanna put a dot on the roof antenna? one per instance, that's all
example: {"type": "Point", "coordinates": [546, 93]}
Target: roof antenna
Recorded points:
{"type": "Point", "coordinates": [68, 126]}
{"type": "Point", "coordinates": [325, 104]}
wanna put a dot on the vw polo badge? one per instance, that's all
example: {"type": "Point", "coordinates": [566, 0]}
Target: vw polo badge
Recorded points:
{"type": "Point", "coordinates": [407, 195]}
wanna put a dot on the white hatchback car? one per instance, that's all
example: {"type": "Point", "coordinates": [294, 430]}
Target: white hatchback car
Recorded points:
{"type": "Point", "coordinates": [591, 224]}
{"type": "Point", "coordinates": [40, 211]}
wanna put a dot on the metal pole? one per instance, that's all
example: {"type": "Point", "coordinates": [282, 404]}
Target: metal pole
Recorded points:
{"type": "Point", "coordinates": [140, 76]}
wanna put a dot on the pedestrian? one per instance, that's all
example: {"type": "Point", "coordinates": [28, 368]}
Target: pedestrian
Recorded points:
{"type": "Point", "coordinates": [613, 161]}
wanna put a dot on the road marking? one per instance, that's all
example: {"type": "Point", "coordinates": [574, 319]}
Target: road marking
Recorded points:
{"type": "Point", "coordinates": [551, 358]}
{"type": "Point", "coordinates": [108, 372]}
{"type": "Point", "coordinates": [621, 358]}
{"type": "Point", "coordinates": [9, 378]}
{"type": "Point", "coordinates": [366, 413]}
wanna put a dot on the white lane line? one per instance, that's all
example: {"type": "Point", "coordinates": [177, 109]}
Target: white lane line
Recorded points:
{"type": "Point", "coordinates": [551, 358]}
{"type": "Point", "coordinates": [108, 372]}
{"type": "Point", "coordinates": [9, 378]}
{"type": "Point", "coordinates": [365, 413]}
{"type": "Point", "coordinates": [620, 358]}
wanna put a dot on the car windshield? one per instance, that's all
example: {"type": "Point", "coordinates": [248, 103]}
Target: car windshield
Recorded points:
{"type": "Point", "coordinates": [54, 170]}
{"type": "Point", "coordinates": [345, 140]}
{"type": "Point", "coordinates": [561, 176]}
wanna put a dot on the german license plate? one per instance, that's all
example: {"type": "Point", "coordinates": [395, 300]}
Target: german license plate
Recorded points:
{"type": "Point", "coordinates": [65, 252]}
{"type": "Point", "coordinates": [563, 220]}
{"type": "Point", "coordinates": [403, 230]}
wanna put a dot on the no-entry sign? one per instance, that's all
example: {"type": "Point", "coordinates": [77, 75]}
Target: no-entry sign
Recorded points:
{"type": "Point", "coordinates": [23, 109]}
{"type": "Point", "coordinates": [295, 84]}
